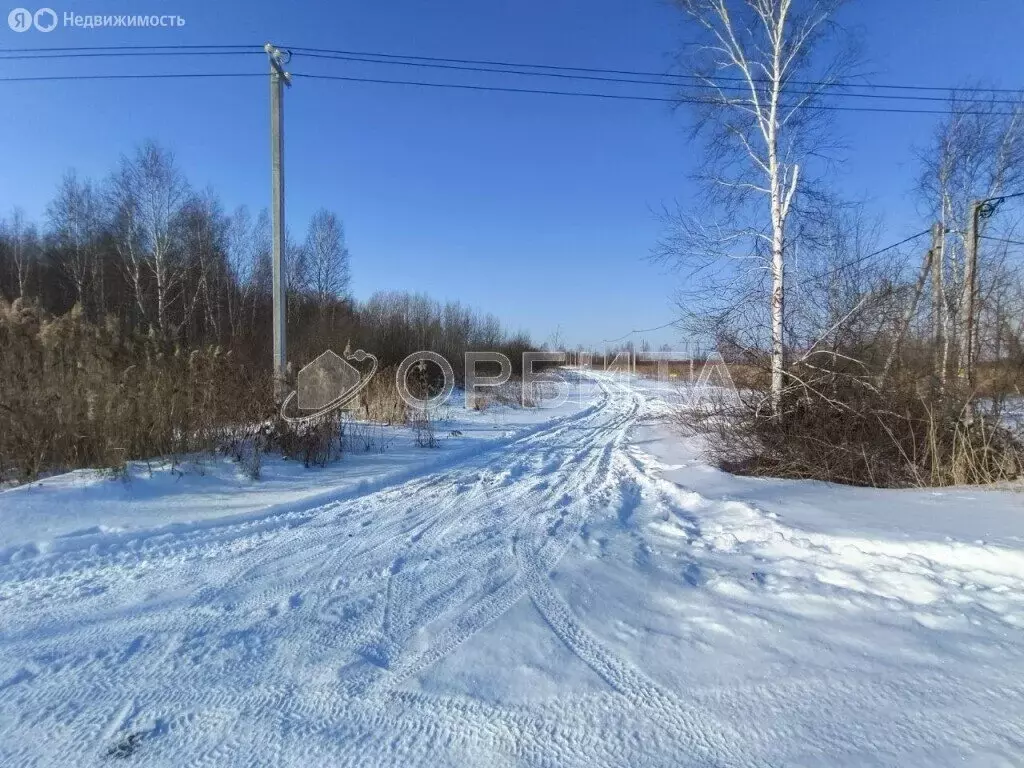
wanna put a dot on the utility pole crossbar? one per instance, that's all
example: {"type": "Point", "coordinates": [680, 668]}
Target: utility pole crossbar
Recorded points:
{"type": "Point", "coordinates": [278, 76]}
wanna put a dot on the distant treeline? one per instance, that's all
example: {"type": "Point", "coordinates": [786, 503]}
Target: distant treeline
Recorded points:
{"type": "Point", "coordinates": [144, 247]}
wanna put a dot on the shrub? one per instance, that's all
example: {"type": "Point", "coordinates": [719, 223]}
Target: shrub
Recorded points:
{"type": "Point", "coordinates": [422, 425]}
{"type": "Point", "coordinates": [316, 444]}
{"type": "Point", "coordinates": [849, 429]}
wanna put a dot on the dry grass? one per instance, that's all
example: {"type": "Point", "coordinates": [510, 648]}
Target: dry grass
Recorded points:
{"type": "Point", "coordinates": [745, 375]}
{"type": "Point", "coordinates": [515, 394]}
{"type": "Point", "coordinates": [379, 402]}
{"type": "Point", "coordinates": [74, 394]}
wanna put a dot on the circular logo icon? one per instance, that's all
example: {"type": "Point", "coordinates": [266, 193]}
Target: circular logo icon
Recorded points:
{"type": "Point", "coordinates": [45, 19]}
{"type": "Point", "coordinates": [20, 19]}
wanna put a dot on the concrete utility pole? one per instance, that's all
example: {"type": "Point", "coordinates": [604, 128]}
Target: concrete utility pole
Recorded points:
{"type": "Point", "coordinates": [908, 315]}
{"type": "Point", "coordinates": [278, 78]}
{"type": "Point", "coordinates": [970, 294]}
{"type": "Point", "coordinates": [938, 301]}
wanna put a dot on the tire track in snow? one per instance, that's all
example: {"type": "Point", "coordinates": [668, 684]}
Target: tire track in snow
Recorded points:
{"type": "Point", "coordinates": [409, 572]}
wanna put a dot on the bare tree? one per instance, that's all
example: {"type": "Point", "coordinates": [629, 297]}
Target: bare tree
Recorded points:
{"type": "Point", "coordinates": [328, 258]}
{"type": "Point", "coordinates": [204, 240]}
{"type": "Point", "coordinates": [297, 276]}
{"type": "Point", "coordinates": [760, 79]}
{"type": "Point", "coordinates": [556, 341]}
{"type": "Point", "coordinates": [248, 250]}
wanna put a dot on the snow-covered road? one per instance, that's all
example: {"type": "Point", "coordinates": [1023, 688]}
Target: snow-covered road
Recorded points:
{"type": "Point", "coordinates": [554, 600]}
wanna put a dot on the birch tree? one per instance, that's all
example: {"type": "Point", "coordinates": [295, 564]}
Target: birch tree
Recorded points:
{"type": "Point", "coordinates": [23, 247]}
{"type": "Point", "coordinates": [148, 194]}
{"type": "Point", "coordinates": [74, 220]}
{"type": "Point", "coordinates": [759, 74]}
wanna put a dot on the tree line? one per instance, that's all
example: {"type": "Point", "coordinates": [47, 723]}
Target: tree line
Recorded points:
{"type": "Point", "coordinates": [135, 320]}
{"type": "Point", "coordinates": [144, 247]}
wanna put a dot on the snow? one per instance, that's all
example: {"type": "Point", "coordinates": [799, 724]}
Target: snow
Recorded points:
{"type": "Point", "coordinates": [569, 588]}
{"type": "Point", "coordinates": [203, 488]}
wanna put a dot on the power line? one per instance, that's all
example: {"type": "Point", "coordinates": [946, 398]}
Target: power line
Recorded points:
{"type": "Point", "coordinates": [1001, 240]}
{"type": "Point", "coordinates": [465, 86]}
{"type": "Point", "coordinates": [484, 62]}
{"type": "Point", "coordinates": [160, 76]}
{"type": "Point", "coordinates": [847, 265]}
{"type": "Point", "coordinates": [490, 67]}
{"type": "Point", "coordinates": [643, 330]}
{"type": "Point", "coordinates": [372, 57]}
{"type": "Point", "coordinates": [861, 259]}
{"type": "Point", "coordinates": [114, 54]}
{"type": "Point", "coordinates": [620, 96]}
{"type": "Point", "coordinates": [1000, 198]}
{"type": "Point", "coordinates": [60, 49]}
{"type": "Point", "coordinates": [494, 88]}
{"type": "Point", "coordinates": [497, 69]}
{"type": "Point", "coordinates": [880, 251]}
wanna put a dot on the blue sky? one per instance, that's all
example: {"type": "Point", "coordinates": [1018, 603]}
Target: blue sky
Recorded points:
{"type": "Point", "coordinates": [536, 208]}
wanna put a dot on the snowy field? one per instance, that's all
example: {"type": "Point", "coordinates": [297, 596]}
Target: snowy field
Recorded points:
{"type": "Point", "coordinates": [568, 589]}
